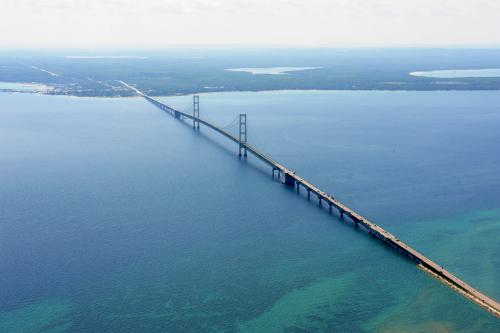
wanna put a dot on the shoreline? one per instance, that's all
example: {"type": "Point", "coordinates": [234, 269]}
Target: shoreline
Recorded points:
{"type": "Point", "coordinates": [255, 91]}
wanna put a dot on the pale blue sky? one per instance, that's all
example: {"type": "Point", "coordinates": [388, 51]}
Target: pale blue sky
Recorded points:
{"type": "Point", "coordinates": [164, 23]}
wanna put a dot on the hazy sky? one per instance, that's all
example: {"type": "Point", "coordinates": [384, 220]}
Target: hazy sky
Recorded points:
{"type": "Point", "coordinates": [163, 23]}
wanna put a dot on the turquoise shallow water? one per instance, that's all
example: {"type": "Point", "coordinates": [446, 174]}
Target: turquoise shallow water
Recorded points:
{"type": "Point", "coordinates": [117, 218]}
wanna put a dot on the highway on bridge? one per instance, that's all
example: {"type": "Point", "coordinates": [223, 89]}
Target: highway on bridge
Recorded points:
{"type": "Point", "coordinates": [290, 178]}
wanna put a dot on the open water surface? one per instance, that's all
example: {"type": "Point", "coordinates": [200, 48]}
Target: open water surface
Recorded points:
{"type": "Point", "coordinates": [115, 217]}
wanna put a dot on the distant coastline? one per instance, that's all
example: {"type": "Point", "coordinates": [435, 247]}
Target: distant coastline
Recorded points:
{"type": "Point", "coordinates": [174, 73]}
{"type": "Point", "coordinates": [51, 93]}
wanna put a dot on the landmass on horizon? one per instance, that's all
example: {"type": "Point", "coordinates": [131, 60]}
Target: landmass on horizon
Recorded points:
{"type": "Point", "coordinates": [187, 71]}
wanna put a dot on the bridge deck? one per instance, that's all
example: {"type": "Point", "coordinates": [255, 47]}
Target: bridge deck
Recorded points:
{"type": "Point", "coordinates": [424, 263]}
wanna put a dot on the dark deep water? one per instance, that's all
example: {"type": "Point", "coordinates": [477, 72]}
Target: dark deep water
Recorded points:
{"type": "Point", "coordinates": [114, 217]}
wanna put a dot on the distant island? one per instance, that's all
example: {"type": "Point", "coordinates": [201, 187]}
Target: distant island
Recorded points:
{"type": "Point", "coordinates": [179, 72]}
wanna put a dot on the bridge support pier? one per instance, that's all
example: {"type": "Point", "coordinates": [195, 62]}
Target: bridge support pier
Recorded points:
{"type": "Point", "coordinates": [320, 201]}
{"type": "Point", "coordinates": [196, 112]}
{"type": "Point", "coordinates": [298, 187]}
{"type": "Point", "coordinates": [177, 115]}
{"type": "Point", "coordinates": [308, 194]}
{"type": "Point", "coordinates": [243, 134]}
{"type": "Point", "coordinates": [330, 208]}
{"type": "Point", "coordinates": [288, 180]}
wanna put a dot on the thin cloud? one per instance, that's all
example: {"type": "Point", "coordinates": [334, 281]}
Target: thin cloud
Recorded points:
{"type": "Point", "coordinates": [159, 23]}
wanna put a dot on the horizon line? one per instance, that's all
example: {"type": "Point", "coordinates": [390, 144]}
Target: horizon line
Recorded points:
{"type": "Point", "coordinates": [248, 46]}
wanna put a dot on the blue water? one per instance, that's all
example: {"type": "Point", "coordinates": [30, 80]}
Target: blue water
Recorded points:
{"type": "Point", "coordinates": [117, 218]}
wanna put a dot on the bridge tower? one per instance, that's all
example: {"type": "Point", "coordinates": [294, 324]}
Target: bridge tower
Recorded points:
{"type": "Point", "coordinates": [243, 133]}
{"type": "Point", "coordinates": [196, 112]}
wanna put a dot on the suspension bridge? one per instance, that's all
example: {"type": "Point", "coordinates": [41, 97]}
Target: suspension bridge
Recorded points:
{"type": "Point", "coordinates": [290, 178]}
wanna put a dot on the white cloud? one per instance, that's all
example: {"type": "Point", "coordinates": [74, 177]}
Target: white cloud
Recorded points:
{"type": "Point", "coordinates": [159, 23]}
{"type": "Point", "coordinates": [129, 6]}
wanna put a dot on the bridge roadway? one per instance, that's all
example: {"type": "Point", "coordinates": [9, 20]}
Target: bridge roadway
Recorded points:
{"type": "Point", "coordinates": [291, 178]}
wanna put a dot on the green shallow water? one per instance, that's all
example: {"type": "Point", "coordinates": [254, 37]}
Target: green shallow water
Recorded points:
{"type": "Point", "coordinates": [50, 315]}
{"type": "Point", "coordinates": [117, 218]}
{"type": "Point", "coordinates": [307, 308]}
